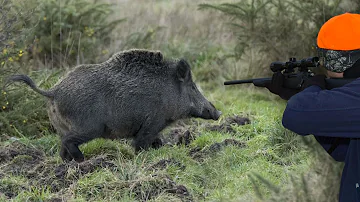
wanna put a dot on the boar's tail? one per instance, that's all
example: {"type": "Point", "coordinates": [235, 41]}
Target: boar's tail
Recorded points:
{"type": "Point", "coordinates": [29, 82]}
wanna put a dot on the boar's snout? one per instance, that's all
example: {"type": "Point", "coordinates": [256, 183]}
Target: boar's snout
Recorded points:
{"type": "Point", "coordinates": [210, 112]}
{"type": "Point", "coordinates": [218, 114]}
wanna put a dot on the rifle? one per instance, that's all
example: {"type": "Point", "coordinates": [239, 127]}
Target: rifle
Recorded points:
{"type": "Point", "coordinates": [294, 79]}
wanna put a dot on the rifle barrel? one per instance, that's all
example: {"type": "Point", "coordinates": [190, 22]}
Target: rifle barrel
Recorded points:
{"type": "Point", "coordinates": [245, 81]}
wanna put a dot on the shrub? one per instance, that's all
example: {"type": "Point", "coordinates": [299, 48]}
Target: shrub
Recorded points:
{"type": "Point", "coordinates": [13, 33]}
{"type": "Point", "coordinates": [72, 31]}
{"type": "Point", "coordinates": [29, 116]}
{"type": "Point", "coordinates": [23, 111]}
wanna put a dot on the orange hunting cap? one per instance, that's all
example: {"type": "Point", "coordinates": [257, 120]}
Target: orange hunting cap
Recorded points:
{"type": "Point", "coordinates": [341, 32]}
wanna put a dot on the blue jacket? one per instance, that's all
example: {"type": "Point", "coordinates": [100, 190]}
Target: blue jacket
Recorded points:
{"type": "Point", "coordinates": [329, 114]}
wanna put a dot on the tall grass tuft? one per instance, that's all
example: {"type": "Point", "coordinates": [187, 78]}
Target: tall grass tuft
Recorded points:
{"type": "Point", "coordinates": [321, 183]}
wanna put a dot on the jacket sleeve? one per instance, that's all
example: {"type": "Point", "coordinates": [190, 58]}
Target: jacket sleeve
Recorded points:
{"type": "Point", "coordinates": [329, 113]}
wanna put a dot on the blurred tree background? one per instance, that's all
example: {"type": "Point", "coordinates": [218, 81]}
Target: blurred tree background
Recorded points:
{"type": "Point", "coordinates": [278, 29]}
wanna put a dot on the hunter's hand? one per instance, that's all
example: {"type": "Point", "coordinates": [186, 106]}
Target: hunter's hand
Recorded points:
{"type": "Point", "coordinates": [276, 86]}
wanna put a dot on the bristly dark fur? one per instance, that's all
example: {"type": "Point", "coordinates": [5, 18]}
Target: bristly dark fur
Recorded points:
{"type": "Point", "coordinates": [140, 62]}
{"type": "Point", "coordinates": [139, 56]}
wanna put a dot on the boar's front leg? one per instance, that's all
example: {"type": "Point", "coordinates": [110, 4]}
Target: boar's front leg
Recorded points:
{"type": "Point", "coordinates": [147, 136]}
{"type": "Point", "coordinates": [157, 143]}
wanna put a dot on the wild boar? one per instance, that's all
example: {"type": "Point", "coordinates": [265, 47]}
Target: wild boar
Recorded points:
{"type": "Point", "coordinates": [134, 94]}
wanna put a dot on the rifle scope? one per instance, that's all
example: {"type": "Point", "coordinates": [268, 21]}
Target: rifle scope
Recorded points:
{"type": "Point", "coordinates": [293, 63]}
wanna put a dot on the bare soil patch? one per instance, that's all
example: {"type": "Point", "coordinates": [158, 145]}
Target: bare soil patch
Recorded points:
{"type": "Point", "coordinates": [150, 188]}
{"type": "Point", "coordinates": [200, 154]}
{"type": "Point", "coordinates": [226, 126]}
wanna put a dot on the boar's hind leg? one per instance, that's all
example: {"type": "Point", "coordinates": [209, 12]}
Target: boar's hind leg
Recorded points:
{"type": "Point", "coordinates": [70, 149]}
{"type": "Point", "coordinates": [71, 141]}
{"type": "Point", "coordinates": [65, 156]}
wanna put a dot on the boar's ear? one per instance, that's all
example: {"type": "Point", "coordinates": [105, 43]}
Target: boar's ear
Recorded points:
{"type": "Point", "coordinates": [183, 70]}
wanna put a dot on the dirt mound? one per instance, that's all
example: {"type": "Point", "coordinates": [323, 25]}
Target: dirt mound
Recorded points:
{"type": "Point", "coordinates": [20, 160]}
{"type": "Point", "coordinates": [10, 152]}
{"type": "Point", "coordinates": [226, 126]}
{"type": "Point", "coordinates": [17, 158]}
{"type": "Point", "coordinates": [179, 136]}
{"type": "Point", "coordinates": [82, 168]}
{"type": "Point", "coordinates": [182, 134]}
{"type": "Point", "coordinates": [62, 176]}
{"type": "Point", "coordinates": [200, 154]}
{"type": "Point", "coordinates": [147, 189]}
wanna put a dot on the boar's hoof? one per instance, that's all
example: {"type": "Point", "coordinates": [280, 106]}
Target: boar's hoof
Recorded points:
{"type": "Point", "coordinates": [65, 156]}
{"type": "Point", "coordinates": [74, 153]}
{"type": "Point", "coordinates": [142, 144]}
{"type": "Point", "coordinates": [157, 143]}
{"type": "Point", "coordinates": [70, 150]}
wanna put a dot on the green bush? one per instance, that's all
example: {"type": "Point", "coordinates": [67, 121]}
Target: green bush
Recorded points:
{"type": "Point", "coordinates": [13, 33]}
{"type": "Point", "coordinates": [13, 54]}
{"type": "Point", "coordinates": [72, 31]}
{"type": "Point", "coordinates": [23, 111]}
